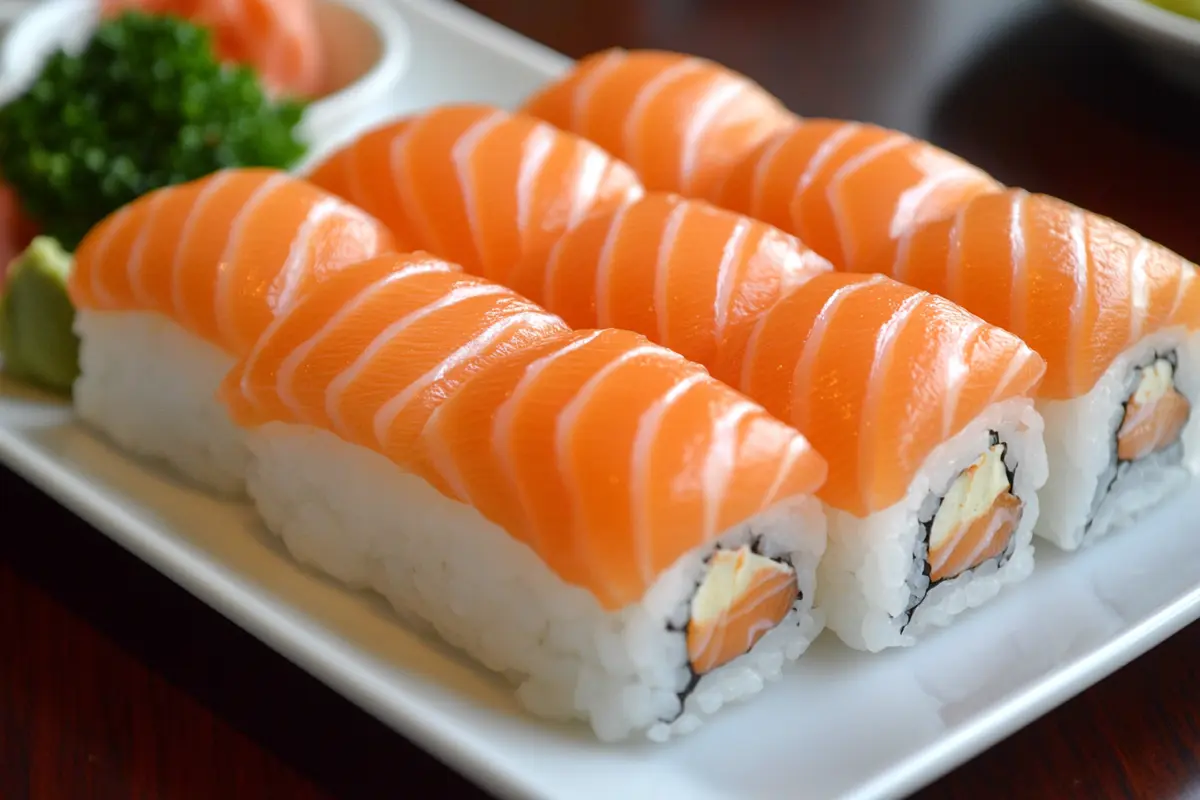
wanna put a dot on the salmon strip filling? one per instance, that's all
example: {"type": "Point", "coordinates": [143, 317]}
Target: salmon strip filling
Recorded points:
{"type": "Point", "coordinates": [742, 596]}
{"type": "Point", "coordinates": [973, 522]}
{"type": "Point", "coordinates": [1154, 414]}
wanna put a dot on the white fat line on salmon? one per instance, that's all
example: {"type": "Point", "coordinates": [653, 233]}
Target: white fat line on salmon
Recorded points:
{"type": "Point", "coordinates": [285, 378]}
{"type": "Point", "coordinates": [1018, 292]}
{"type": "Point", "coordinates": [399, 156]}
{"type": "Point", "coordinates": [1077, 230]}
{"type": "Point", "coordinates": [104, 298]}
{"type": "Point", "coordinates": [718, 467]}
{"type": "Point", "coordinates": [460, 154]}
{"type": "Point", "coordinates": [466, 353]}
{"type": "Point", "coordinates": [588, 180]}
{"type": "Point", "coordinates": [582, 99]}
{"type": "Point", "coordinates": [338, 386]}
{"type": "Point", "coordinates": [725, 276]}
{"type": "Point", "coordinates": [299, 262]}
{"type": "Point", "coordinates": [662, 270]}
{"type": "Point", "coordinates": [1186, 276]}
{"type": "Point", "coordinates": [913, 199]}
{"type": "Point", "coordinates": [1139, 291]}
{"type": "Point", "coordinates": [701, 121]}
{"type": "Point", "coordinates": [225, 274]}
{"type": "Point", "coordinates": [957, 371]}
{"type": "Point", "coordinates": [630, 140]}
{"type": "Point", "coordinates": [534, 152]}
{"type": "Point", "coordinates": [766, 162]}
{"type": "Point", "coordinates": [885, 345]}
{"type": "Point", "coordinates": [137, 253]}
{"type": "Point", "coordinates": [806, 363]}
{"type": "Point", "coordinates": [502, 422]}
{"type": "Point", "coordinates": [797, 447]}
{"type": "Point", "coordinates": [827, 149]}
{"type": "Point", "coordinates": [603, 288]}
{"type": "Point", "coordinates": [893, 141]}
{"type": "Point", "coordinates": [642, 455]}
{"type": "Point", "coordinates": [954, 256]}
{"type": "Point", "coordinates": [568, 418]}
{"type": "Point", "coordinates": [797, 264]}
{"type": "Point", "coordinates": [215, 183]}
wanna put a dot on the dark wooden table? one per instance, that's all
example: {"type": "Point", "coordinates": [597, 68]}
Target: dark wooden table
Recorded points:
{"type": "Point", "coordinates": [114, 683]}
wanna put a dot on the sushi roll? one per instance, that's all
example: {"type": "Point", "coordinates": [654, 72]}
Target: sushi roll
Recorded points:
{"type": "Point", "coordinates": [680, 121]}
{"type": "Point", "coordinates": [170, 289]}
{"type": "Point", "coordinates": [849, 189]}
{"type": "Point", "coordinates": [474, 184]}
{"type": "Point", "coordinates": [631, 542]}
{"type": "Point", "coordinates": [922, 410]}
{"type": "Point", "coordinates": [1115, 317]}
{"type": "Point", "coordinates": [935, 449]}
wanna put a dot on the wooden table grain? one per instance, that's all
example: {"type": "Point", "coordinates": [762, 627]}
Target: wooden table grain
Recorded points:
{"type": "Point", "coordinates": [114, 683]}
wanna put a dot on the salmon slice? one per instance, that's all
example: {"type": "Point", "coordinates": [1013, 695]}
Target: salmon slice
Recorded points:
{"type": "Point", "coordinates": [223, 254]}
{"type": "Point", "coordinates": [875, 374]}
{"type": "Point", "coordinates": [375, 352]}
{"type": "Point", "coordinates": [608, 455]}
{"type": "Point", "coordinates": [684, 273]}
{"type": "Point", "coordinates": [849, 190]}
{"type": "Point", "coordinates": [476, 185]}
{"type": "Point", "coordinates": [1079, 288]}
{"type": "Point", "coordinates": [680, 121]}
{"type": "Point", "coordinates": [280, 39]}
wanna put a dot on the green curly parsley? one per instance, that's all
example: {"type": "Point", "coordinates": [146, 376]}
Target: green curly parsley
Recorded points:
{"type": "Point", "coordinates": [146, 104]}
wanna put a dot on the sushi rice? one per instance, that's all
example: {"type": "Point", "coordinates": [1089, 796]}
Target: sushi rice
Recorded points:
{"type": "Point", "coordinates": [152, 388]}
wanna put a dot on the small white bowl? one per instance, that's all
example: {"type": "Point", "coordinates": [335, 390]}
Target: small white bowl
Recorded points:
{"type": "Point", "coordinates": [367, 43]}
{"type": "Point", "coordinates": [1167, 41]}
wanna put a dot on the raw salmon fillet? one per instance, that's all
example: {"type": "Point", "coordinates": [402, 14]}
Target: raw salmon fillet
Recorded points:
{"type": "Point", "coordinates": [476, 185]}
{"type": "Point", "coordinates": [280, 39]}
{"type": "Point", "coordinates": [680, 121]}
{"type": "Point", "coordinates": [221, 255]}
{"type": "Point", "coordinates": [608, 455]}
{"type": "Point", "coordinates": [1078, 287]}
{"type": "Point", "coordinates": [684, 273]}
{"type": "Point", "coordinates": [849, 190]}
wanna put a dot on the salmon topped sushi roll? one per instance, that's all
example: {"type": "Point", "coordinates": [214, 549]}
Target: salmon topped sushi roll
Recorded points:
{"type": "Point", "coordinates": [682, 272]}
{"type": "Point", "coordinates": [934, 446]}
{"type": "Point", "coordinates": [474, 184]}
{"type": "Point", "coordinates": [678, 120]}
{"type": "Point", "coordinates": [849, 189]}
{"type": "Point", "coordinates": [590, 514]}
{"type": "Point", "coordinates": [1115, 317]}
{"type": "Point", "coordinates": [174, 286]}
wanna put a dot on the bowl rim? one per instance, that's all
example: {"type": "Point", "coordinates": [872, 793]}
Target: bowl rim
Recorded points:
{"type": "Point", "coordinates": [383, 16]}
{"type": "Point", "coordinates": [1147, 21]}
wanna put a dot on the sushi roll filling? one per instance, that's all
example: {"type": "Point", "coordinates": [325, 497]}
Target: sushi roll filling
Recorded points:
{"type": "Point", "coordinates": [741, 595]}
{"type": "Point", "coordinates": [971, 524]}
{"type": "Point", "coordinates": [1150, 423]}
{"type": "Point", "coordinates": [1154, 415]}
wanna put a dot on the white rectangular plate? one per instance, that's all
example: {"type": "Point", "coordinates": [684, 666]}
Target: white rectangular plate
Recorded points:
{"type": "Point", "coordinates": [842, 724]}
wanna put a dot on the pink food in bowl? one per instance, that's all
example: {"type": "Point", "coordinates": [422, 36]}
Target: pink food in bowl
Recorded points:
{"type": "Point", "coordinates": [280, 39]}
